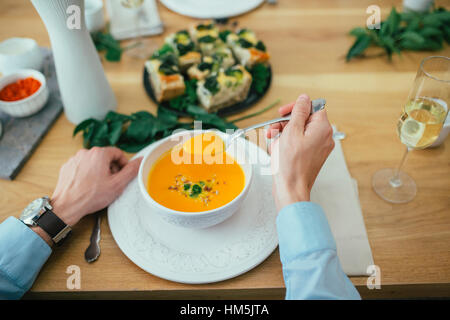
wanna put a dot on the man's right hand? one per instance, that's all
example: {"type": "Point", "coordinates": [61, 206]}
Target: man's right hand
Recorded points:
{"type": "Point", "coordinates": [300, 151]}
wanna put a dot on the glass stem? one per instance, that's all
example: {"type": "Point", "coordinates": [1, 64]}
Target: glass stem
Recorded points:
{"type": "Point", "coordinates": [395, 180]}
{"type": "Point", "coordinates": [138, 26]}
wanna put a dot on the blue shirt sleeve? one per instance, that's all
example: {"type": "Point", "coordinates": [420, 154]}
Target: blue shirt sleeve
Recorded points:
{"type": "Point", "coordinates": [311, 268]}
{"type": "Point", "coordinates": [22, 255]}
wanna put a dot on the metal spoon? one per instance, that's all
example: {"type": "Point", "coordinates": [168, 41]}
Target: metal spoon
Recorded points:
{"type": "Point", "coordinates": [316, 105]}
{"type": "Point", "coordinates": [93, 251]}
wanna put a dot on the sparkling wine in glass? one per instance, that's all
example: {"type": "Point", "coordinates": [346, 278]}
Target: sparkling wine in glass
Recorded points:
{"type": "Point", "coordinates": [418, 127]}
{"type": "Point", "coordinates": [140, 48]}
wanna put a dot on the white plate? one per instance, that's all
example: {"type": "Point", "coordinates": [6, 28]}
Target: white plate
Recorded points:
{"type": "Point", "coordinates": [207, 255]}
{"type": "Point", "coordinates": [211, 9]}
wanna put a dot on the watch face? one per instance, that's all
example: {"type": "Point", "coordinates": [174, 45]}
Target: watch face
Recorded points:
{"type": "Point", "coordinates": [32, 210]}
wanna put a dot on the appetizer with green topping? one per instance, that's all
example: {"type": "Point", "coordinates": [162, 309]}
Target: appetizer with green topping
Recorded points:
{"type": "Point", "coordinates": [165, 77]}
{"type": "Point", "coordinates": [247, 48]}
{"type": "Point", "coordinates": [185, 48]}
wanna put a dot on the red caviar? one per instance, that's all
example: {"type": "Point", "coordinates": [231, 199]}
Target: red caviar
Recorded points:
{"type": "Point", "coordinates": [20, 89]}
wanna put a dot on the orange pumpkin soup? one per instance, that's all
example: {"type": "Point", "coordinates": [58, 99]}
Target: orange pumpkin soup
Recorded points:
{"type": "Point", "coordinates": [190, 187]}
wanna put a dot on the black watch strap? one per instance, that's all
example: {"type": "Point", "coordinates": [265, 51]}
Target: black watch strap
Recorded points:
{"type": "Point", "coordinates": [53, 226]}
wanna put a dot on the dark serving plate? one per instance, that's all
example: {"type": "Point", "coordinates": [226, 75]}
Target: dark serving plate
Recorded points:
{"type": "Point", "coordinates": [251, 99]}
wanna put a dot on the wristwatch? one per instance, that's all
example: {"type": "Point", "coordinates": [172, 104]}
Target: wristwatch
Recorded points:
{"type": "Point", "coordinates": [39, 213]}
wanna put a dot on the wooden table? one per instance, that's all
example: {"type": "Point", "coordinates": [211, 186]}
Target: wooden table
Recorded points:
{"type": "Point", "coordinates": [308, 42]}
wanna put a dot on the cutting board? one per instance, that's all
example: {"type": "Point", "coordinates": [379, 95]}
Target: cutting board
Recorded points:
{"type": "Point", "coordinates": [21, 136]}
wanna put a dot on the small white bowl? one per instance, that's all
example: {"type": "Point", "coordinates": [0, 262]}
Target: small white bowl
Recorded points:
{"type": "Point", "coordinates": [195, 220]}
{"type": "Point", "coordinates": [29, 105]}
{"type": "Point", "coordinates": [20, 53]}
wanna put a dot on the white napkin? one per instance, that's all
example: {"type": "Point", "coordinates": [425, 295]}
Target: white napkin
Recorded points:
{"type": "Point", "coordinates": [337, 193]}
{"type": "Point", "coordinates": [123, 20]}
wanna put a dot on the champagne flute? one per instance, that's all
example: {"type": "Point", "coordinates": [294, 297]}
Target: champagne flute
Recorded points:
{"type": "Point", "coordinates": [140, 48]}
{"type": "Point", "coordinates": [419, 125]}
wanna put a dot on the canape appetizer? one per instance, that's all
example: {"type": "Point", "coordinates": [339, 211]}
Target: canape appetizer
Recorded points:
{"type": "Point", "coordinates": [224, 88]}
{"type": "Point", "coordinates": [247, 48]}
{"type": "Point", "coordinates": [165, 77]}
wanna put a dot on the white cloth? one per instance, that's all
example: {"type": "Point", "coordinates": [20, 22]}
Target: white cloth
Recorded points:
{"type": "Point", "coordinates": [123, 20]}
{"type": "Point", "coordinates": [337, 193]}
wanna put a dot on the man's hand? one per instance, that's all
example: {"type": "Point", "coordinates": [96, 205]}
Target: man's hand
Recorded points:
{"type": "Point", "coordinates": [299, 152]}
{"type": "Point", "coordinates": [90, 181]}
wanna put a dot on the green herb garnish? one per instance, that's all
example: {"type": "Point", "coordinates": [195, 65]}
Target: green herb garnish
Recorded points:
{"type": "Point", "coordinates": [202, 27]}
{"type": "Point", "coordinates": [211, 84]}
{"type": "Point", "coordinates": [205, 66]}
{"type": "Point", "coordinates": [224, 34]}
{"type": "Point", "coordinates": [244, 43]}
{"type": "Point", "coordinates": [207, 39]}
{"type": "Point", "coordinates": [183, 49]}
{"type": "Point", "coordinates": [165, 49]}
{"type": "Point", "coordinates": [260, 46]}
{"type": "Point", "coordinates": [196, 190]}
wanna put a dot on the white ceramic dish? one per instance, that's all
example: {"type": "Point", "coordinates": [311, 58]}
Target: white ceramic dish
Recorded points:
{"type": "Point", "coordinates": [202, 219]}
{"type": "Point", "coordinates": [20, 53]}
{"type": "Point", "coordinates": [195, 256]}
{"type": "Point", "coordinates": [29, 105]}
{"type": "Point", "coordinates": [211, 9]}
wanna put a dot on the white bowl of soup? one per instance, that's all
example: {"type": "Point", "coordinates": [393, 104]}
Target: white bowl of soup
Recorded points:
{"type": "Point", "coordinates": [191, 189]}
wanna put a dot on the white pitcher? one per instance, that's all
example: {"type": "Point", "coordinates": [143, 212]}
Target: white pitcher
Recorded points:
{"type": "Point", "coordinates": [85, 91]}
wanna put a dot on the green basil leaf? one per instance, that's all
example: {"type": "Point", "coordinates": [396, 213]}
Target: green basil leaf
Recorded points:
{"type": "Point", "coordinates": [432, 20]}
{"type": "Point", "coordinates": [431, 32]}
{"type": "Point", "coordinates": [83, 125]}
{"type": "Point", "coordinates": [133, 147]}
{"type": "Point", "coordinates": [113, 55]}
{"type": "Point", "coordinates": [413, 36]}
{"type": "Point", "coordinates": [357, 32]}
{"type": "Point", "coordinates": [140, 130]}
{"type": "Point", "coordinates": [115, 131]}
{"type": "Point", "coordinates": [391, 24]}
{"type": "Point", "coordinates": [143, 115]}
{"type": "Point", "coordinates": [166, 116]}
{"type": "Point", "coordinates": [432, 45]}
{"type": "Point", "coordinates": [361, 44]}
{"type": "Point", "coordinates": [89, 132]}
{"type": "Point", "coordinates": [100, 137]}
{"type": "Point", "coordinates": [114, 116]}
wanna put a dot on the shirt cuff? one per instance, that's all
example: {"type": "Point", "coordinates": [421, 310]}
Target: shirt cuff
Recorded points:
{"type": "Point", "coordinates": [22, 252]}
{"type": "Point", "coordinates": [303, 228]}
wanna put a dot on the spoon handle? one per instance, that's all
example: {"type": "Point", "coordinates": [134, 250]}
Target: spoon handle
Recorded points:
{"type": "Point", "coordinates": [316, 105]}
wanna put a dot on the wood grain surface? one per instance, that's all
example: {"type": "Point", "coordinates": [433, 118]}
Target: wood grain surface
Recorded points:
{"type": "Point", "coordinates": [308, 41]}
